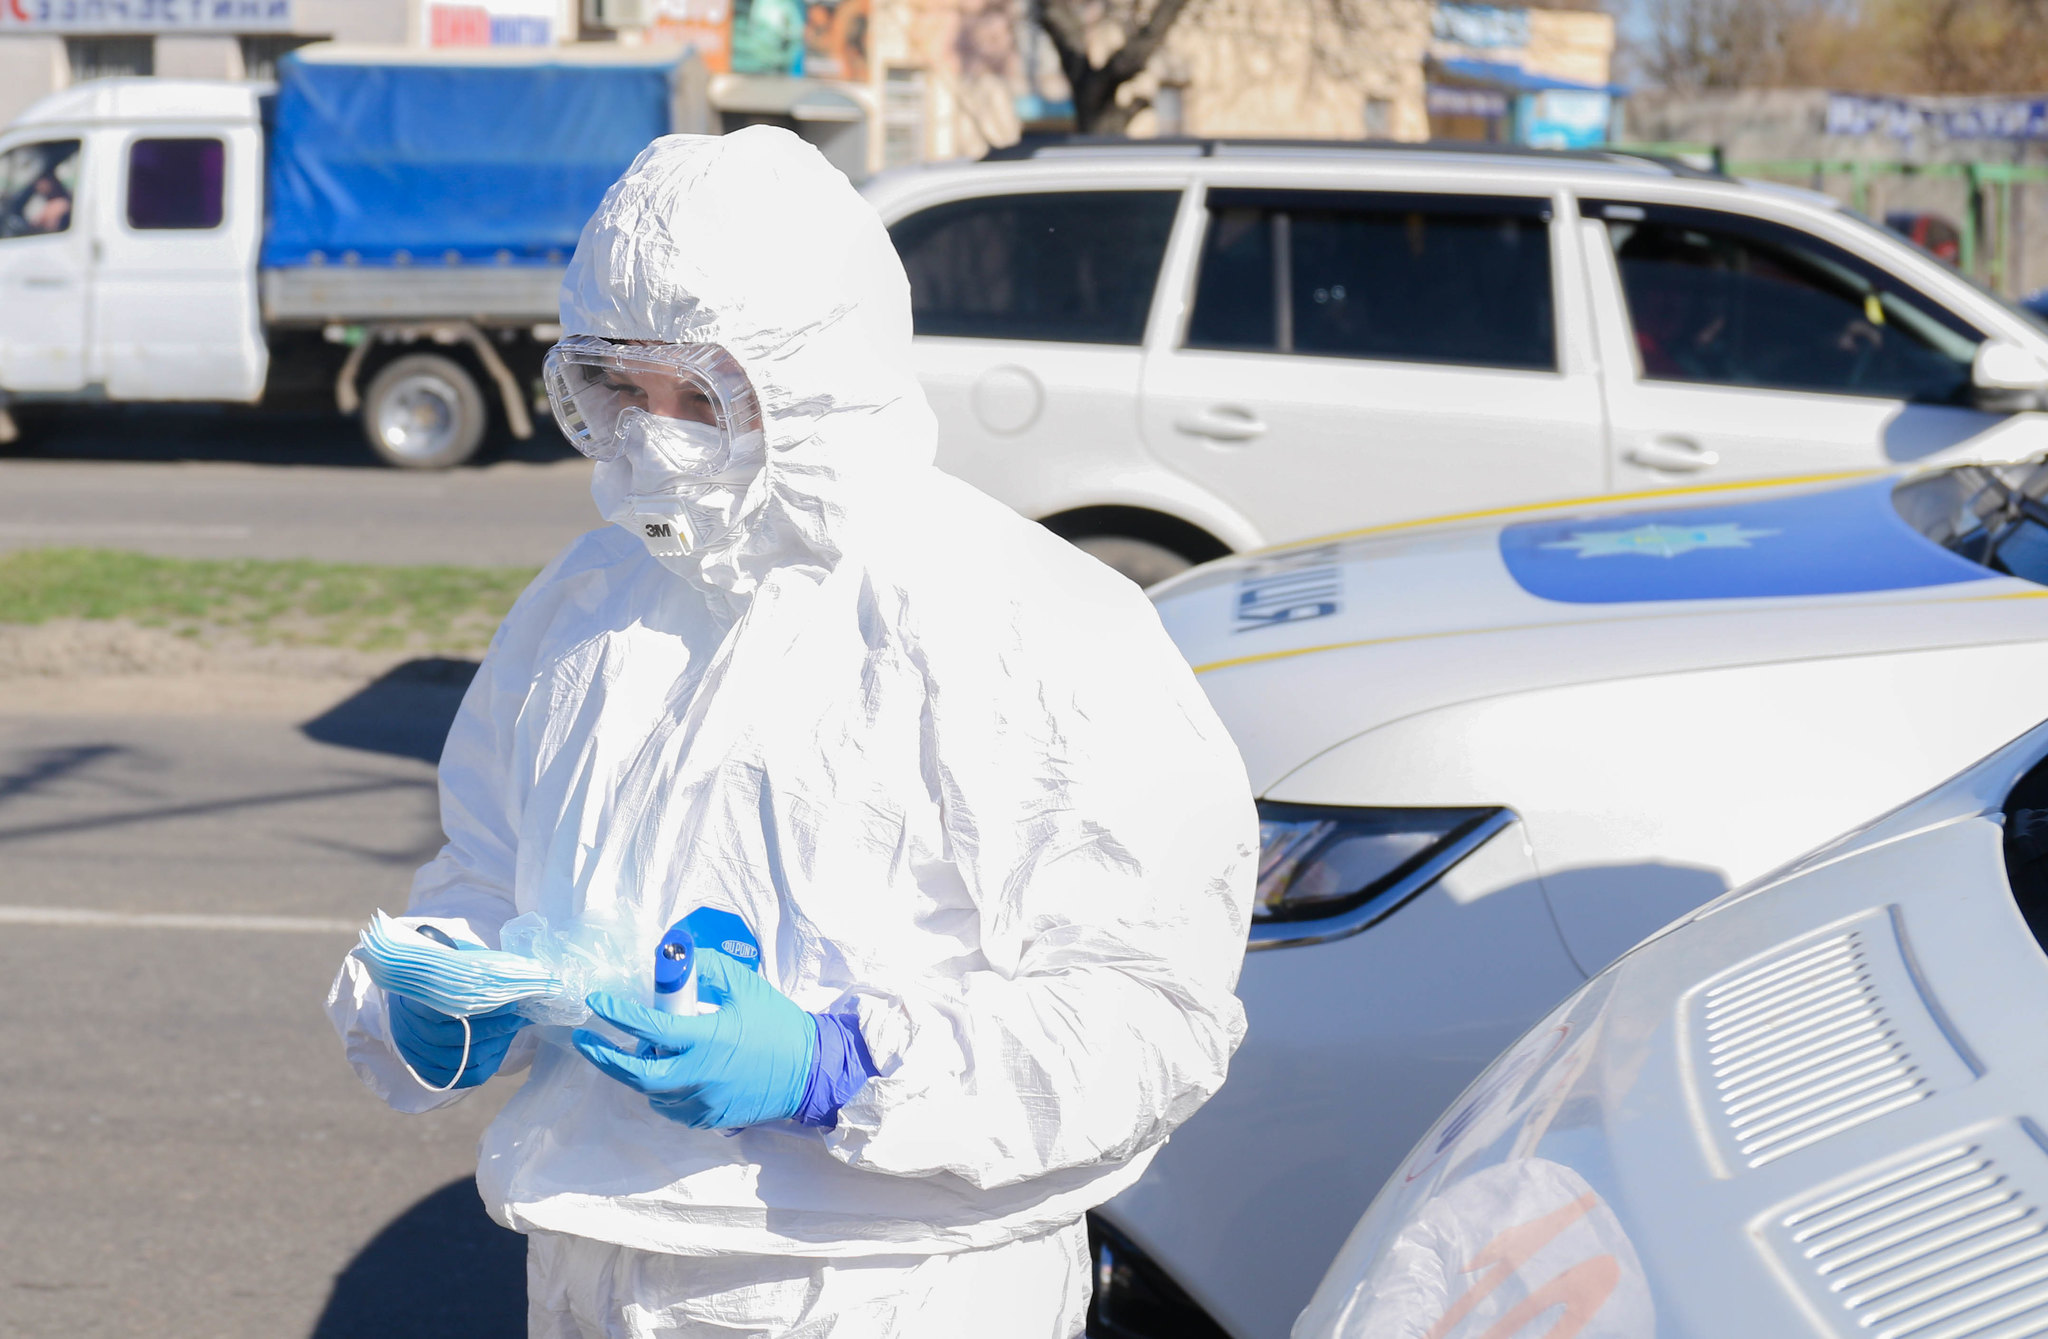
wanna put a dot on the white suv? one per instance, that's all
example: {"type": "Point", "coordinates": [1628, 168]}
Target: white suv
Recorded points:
{"type": "Point", "coordinates": [1172, 350]}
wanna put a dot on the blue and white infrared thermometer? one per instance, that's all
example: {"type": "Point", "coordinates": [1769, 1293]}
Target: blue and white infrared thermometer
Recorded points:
{"type": "Point", "coordinates": [675, 972]}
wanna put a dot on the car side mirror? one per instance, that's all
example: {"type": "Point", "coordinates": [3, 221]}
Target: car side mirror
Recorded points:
{"type": "Point", "coordinates": [2006, 378]}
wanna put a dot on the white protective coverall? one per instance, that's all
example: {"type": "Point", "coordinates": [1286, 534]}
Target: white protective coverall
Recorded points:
{"type": "Point", "coordinates": [949, 769]}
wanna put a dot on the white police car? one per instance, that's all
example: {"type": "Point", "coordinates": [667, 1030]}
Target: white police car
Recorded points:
{"type": "Point", "coordinates": [1814, 1107]}
{"type": "Point", "coordinates": [1493, 753]}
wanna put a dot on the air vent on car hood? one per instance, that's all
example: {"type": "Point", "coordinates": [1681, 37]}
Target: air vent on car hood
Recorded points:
{"type": "Point", "coordinates": [1941, 1245]}
{"type": "Point", "coordinates": [1813, 1038]}
{"type": "Point", "coordinates": [1801, 1049]}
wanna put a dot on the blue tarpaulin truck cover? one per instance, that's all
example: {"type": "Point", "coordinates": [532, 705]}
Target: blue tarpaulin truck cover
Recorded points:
{"type": "Point", "coordinates": [412, 162]}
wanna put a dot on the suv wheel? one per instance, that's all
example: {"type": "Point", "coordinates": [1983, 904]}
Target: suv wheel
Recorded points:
{"type": "Point", "coordinates": [424, 412]}
{"type": "Point", "coordinates": [1142, 560]}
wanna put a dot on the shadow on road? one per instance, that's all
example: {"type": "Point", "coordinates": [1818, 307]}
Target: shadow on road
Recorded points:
{"type": "Point", "coordinates": [440, 1270]}
{"type": "Point", "coordinates": [46, 767]}
{"type": "Point", "coordinates": [406, 713]}
{"type": "Point", "coordinates": [251, 436]}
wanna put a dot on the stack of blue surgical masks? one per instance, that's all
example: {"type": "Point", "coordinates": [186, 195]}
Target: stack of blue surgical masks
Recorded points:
{"type": "Point", "coordinates": [461, 983]}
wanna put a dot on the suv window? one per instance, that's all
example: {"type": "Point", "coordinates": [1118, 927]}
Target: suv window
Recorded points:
{"type": "Point", "coordinates": [176, 183]}
{"type": "Point", "coordinates": [1077, 266]}
{"type": "Point", "coordinates": [1462, 279]}
{"type": "Point", "coordinates": [37, 186]}
{"type": "Point", "coordinates": [1723, 300]}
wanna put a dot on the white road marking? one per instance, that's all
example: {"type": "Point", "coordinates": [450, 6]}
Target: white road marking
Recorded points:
{"type": "Point", "coordinates": [102, 530]}
{"type": "Point", "coordinates": [173, 920]}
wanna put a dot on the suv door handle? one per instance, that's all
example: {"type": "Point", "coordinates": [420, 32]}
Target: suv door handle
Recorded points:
{"type": "Point", "coordinates": [1680, 455]}
{"type": "Point", "coordinates": [1223, 423]}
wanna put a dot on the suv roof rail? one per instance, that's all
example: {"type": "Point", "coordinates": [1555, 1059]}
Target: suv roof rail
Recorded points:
{"type": "Point", "coordinates": [1197, 146]}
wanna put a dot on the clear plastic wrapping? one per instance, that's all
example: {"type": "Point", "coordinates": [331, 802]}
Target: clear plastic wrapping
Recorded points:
{"type": "Point", "coordinates": [544, 971]}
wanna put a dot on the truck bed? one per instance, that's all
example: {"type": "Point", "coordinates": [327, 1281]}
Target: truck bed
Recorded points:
{"type": "Point", "coordinates": [444, 185]}
{"type": "Point", "coordinates": [486, 294]}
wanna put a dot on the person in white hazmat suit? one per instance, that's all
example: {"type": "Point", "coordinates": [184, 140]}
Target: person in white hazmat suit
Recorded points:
{"type": "Point", "coordinates": [994, 847]}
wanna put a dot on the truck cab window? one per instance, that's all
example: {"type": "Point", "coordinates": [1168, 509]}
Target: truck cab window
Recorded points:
{"type": "Point", "coordinates": [176, 184]}
{"type": "Point", "coordinates": [37, 185]}
{"type": "Point", "coordinates": [1719, 299]}
{"type": "Point", "coordinates": [1074, 266]}
{"type": "Point", "coordinates": [1455, 279]}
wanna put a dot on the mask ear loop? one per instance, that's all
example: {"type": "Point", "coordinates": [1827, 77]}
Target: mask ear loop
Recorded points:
{"type": "Point", "coordinates": [462, 1065]}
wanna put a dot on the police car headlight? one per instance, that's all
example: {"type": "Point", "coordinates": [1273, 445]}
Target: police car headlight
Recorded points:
{"type": "Point", "coordinates": [1325, 872]}
{"type": "Point", "coordinates": [1499, 1212]}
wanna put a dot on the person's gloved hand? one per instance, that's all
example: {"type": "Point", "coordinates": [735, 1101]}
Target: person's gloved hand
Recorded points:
{"type": "Point", "coordinates": [751, 1061]}
{"type": "Point", "coordinates": [431, 1041]}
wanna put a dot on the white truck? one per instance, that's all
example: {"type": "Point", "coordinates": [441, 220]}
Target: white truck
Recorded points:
{"type": "Point", "coordinates": [382, 233]}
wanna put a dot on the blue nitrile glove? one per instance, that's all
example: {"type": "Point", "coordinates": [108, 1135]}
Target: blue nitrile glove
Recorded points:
{"type": "Point", "coordinates": [757, 1058]}
{"type": "Point", "coordinates": [431, 1041]}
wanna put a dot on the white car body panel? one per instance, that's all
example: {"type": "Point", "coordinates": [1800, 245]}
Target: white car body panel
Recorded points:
{"type": "Point", "coordinates": [1354, 1046]}
{"type": "Point", "coordinates": [1657, 751]}
{"type": "Point", "coordinates": [1746, 432]}
{"type": "Point", "coordinates": [1313, 442]}
{"type": "Point", "coordinates": [1642, 798]}
{"type": "Point", "coordinates": [1348, 441]}
{"type": "Point", "coordinates": [1425, 616]}
{"type": "Point", "coordinates": [1814, 1107]}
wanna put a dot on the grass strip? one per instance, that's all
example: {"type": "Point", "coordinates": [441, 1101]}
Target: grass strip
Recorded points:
{"type": "Point", "coordinates": [297, 602]}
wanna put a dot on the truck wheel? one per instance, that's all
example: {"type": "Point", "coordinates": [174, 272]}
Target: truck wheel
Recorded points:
{"type": "Point", "coordinates": [424, 412]}
{"type": "Point", "coordinates": [1141, 560]}
{"type": "Point", "coordinates": [27, 432]}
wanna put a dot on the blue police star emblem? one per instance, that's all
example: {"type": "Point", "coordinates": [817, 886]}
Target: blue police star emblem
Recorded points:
{"type": "Point", "coordinates": [1659, 541]}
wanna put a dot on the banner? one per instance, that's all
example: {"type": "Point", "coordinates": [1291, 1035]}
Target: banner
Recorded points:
{"type": "Point", "coordinates": [1853, 114]}
{"type": "Point", "coordinates": [824, 39]}
{"type": "Point", "coordinates": [768, 36]}
{"type": "Point", "coordinates": [146, 16]}
{"type": "Point", "coordinates": [836, 40]}
{"type": "Point", "coordinates": [705, 25]}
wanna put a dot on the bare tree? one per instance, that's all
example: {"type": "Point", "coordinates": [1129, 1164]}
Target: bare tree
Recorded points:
{"type": "Point", "coordinates": [1127, 34]}
{"type": "Point", "coordinates": [1976, 46]}
{"type": "Point", "coordinates": [1891, 46]}
{"type": "Point", "coordinates": [1695, 44]}
{"type": "Point", "coordinates": [1138, 28]}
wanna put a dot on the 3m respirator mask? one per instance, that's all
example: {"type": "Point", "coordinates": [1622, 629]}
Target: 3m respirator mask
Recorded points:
{"type": "Point", "coordinates": [675, 430]}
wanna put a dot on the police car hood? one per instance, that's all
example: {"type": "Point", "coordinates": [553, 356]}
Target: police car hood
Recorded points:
{"type": "Point", "coordinates": [1305, 646]}
{"type": "Point", "coordinates": [1812, 1107]}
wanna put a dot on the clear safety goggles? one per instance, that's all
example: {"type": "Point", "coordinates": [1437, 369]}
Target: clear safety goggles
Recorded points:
{"type": "Point", "coordinates": [592, 383]}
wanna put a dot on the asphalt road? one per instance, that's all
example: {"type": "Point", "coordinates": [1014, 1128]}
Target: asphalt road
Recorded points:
{"type": "Point", "coordinates": [212, 483]}
{"type": "Point", "coordinates": [183, 1151]}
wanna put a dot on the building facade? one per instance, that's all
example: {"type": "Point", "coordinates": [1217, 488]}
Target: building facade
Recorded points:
{"type": "Point", "coordinates": [883, 83]}
{"type": "Point", "coordinates": [46, 45]}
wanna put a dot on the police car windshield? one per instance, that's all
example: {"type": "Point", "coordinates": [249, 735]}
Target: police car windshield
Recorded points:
{"type": "Point", "coordinates": [1990, 514]}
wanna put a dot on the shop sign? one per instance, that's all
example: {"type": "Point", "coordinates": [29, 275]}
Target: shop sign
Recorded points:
{"type": "Point", "coordinates": [1948, 118]}
{"type": "Point", "coordinates": [1480, 26]}
{"type": "Point", "coordinates": [1566, 118]}
{"type": "Point", "coordinates": [1444, 100]}
{"type": "Point", "coordinates": [492, 23]}
{"type": "Point", "coordinates": [145, 16]}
